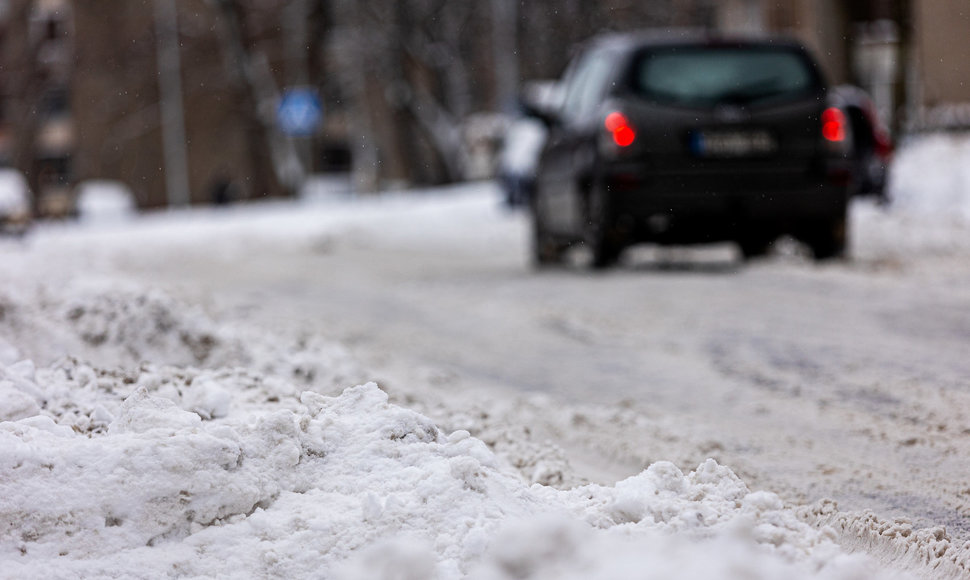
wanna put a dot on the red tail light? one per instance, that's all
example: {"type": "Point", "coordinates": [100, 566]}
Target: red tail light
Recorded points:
{"type": "Point", "coordinates": [833, 125]}
{"type": "Point", "coordinates": [618, 125]}
{"type": "Point", "coordinates": [884, 144]}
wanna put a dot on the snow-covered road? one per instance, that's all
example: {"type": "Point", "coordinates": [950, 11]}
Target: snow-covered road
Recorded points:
{"type": "Point", "coordinates": [845, 381]}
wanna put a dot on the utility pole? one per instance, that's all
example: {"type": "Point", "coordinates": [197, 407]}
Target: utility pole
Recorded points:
{"type": "Point", "coordinates": [903, 107]}
{"type": "Point", "coordinates": [172, 111]}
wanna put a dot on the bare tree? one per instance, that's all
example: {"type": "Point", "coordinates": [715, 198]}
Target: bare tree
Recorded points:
{"type": "Point", "coordinates": [418, 68]}
{"type": "Point", "coordinates": [24, 86]}
{"type": "Point", "coordinates": [403, 75]}
{"type": "Point", "coordinates": [250, 71]}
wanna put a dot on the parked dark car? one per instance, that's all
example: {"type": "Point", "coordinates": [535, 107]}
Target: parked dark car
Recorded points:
{"type": "Point", "coordinates": [872, 148]}
{"type": "Point", "coordinates": [685, 139]}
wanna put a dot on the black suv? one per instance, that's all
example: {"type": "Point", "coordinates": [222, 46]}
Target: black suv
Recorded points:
{"type": "Point", "coordinates": [687, 139]}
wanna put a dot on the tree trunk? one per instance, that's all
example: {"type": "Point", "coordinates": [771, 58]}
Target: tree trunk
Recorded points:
{"type": "Point", "coordinates": [260, 94]}
{"type": "Point", "coordinates": [26, 86]}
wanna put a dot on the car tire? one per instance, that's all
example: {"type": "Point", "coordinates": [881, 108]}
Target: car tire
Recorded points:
{"type": "Point", "coordinates": [829, 239]}
{"type": "Point", "coordinates": [599, 233]}
{"type": "Point", "coordinates": [754, 245]}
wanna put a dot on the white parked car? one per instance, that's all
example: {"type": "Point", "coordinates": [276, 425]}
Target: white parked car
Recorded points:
{"type": "Point", "coordinates": [14, 202]}
{"type": "Point", "coordinates": [523, 142]}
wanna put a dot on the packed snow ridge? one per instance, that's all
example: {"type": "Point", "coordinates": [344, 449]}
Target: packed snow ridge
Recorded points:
{"type": "Point", "coordinates": [144, 469]}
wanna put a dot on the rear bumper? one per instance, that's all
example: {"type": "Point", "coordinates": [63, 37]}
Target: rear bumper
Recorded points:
{"type": "Point", "coordinates": [686, 211]}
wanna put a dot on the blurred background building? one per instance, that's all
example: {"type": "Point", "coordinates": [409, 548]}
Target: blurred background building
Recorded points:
{"type": "Point", "coordinates": [913, 56]}
{"type": "Point", "coordinates": [180, 100]}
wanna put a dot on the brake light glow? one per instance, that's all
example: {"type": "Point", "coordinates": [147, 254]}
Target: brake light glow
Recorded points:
{"type": "Point", "coordinates": [833, 125]}
{"type": "Point", "coordinates": [618, 125]}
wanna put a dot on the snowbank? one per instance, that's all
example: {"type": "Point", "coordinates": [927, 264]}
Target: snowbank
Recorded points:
{"type": "Point", "coordinates": [105, 201]}
{"type": "Point", "coordinates": [219, 460]}
{"type": "Point", "coordinates": [14, 193]}
{"type": "Point", "coordinates": [931, 177]}
{"type": "Point", "coordinates": [116, 324]}
{"type": "Point", "coordinates": [929, 211]}
{"type": "Point", "coordinates": [156, 470]}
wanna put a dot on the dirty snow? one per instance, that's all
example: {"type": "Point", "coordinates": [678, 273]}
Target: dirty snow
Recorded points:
{"type": "Point", "coordinates": [200, 453]}
{"type": "Point", "coordinates": [143, 436]}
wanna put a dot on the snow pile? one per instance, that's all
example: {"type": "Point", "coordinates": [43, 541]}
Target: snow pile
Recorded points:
{"type": "Point", "coordinates": [105, 201]}
{"type": "Point", "coordinates": [929, 211]}
{"type": "Point", "coordinates": [14, 193]}
{"type": "Point", "coordinates": [917, 189]}
{"type": "Point", "coordinates": [929, 550]}
{"type": "Point", "coordinates": [114, 324]}
{"type": "Point", "coordinates": [148, 439]}
{"type": "Point", "coordinates": [152, 471]}
{"type": "Point", "coordinates": [193, 448]}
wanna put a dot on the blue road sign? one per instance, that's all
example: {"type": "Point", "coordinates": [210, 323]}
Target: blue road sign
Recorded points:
{"type": "Point", "coordinates": [299, 112]}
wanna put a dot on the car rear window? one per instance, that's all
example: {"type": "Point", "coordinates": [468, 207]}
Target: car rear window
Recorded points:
{"type": "Point", "coordinates": [707, 76]}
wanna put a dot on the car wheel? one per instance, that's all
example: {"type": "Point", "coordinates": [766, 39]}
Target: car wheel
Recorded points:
{"type": "Point", "coordinates": [829, 240]}
{"type": "Point", "coordinates": [754, 245]}
{"type": "Point", "coordinates": [600, 235]}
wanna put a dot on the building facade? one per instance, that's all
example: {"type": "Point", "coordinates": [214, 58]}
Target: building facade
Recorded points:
{"type": "Point", "coordinates": [82, 97]}
{"type": "Point", "coordinates": [913, 56]}
{"type": "Point", "coordinates": [83, 83]}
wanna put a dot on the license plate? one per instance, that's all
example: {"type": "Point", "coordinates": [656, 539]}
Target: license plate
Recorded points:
{"type": "Point", "coordinates": [732, 143]}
